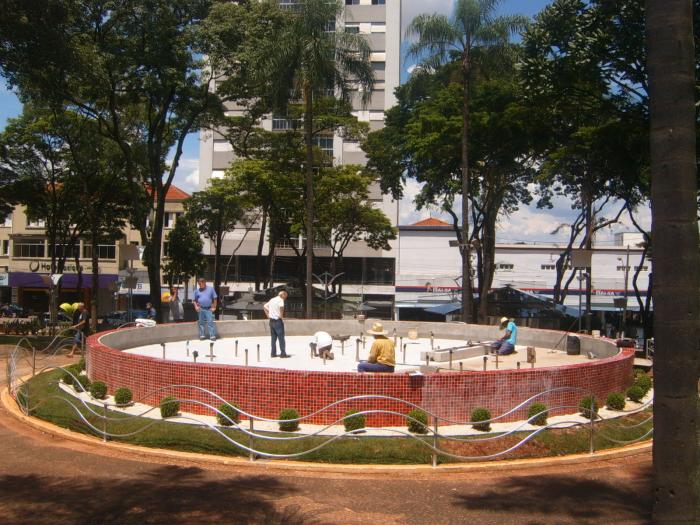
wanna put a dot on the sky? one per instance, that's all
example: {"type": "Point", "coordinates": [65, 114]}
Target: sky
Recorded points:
{"type": "Point", "coordinates": [527, 225]}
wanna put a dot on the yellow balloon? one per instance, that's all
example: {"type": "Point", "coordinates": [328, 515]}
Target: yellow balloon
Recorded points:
{"type": "Point", "coordinates": [165, 296]}
{"type": "Point", "coordinates": [66, 307]}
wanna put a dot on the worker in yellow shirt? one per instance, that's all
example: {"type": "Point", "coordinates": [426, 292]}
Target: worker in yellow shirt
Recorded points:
{"type": "Point", "coordinates": [382, 355]}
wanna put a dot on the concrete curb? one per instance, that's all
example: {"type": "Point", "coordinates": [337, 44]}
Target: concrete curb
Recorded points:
{"type": "Point", "coordinates": [144, 453]}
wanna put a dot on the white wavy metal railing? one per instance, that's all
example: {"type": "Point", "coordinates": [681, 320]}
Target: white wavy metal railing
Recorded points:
{"type": "Point", "coordinates": [24, 350]}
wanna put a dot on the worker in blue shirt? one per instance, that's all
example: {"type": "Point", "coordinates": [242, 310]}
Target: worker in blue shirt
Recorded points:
{"type": "Point", "coordinates": [205, 305]}
{"type": "Point", "coordinates": [506, 344]}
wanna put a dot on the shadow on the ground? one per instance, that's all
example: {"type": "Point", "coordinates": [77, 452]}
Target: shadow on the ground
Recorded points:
{"type": "Point", "coordinates": [573, 499]}
{"type": "Point", "coordinates": [166, 495]}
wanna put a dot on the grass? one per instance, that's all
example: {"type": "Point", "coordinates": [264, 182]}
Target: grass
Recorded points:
{"type": "Point", "coordinates": [46, 400]}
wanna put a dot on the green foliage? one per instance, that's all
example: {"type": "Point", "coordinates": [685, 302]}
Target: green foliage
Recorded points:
{"type": "Point", "coordinates": [353, 422]}
{"type": "Point", "coordinates": [81, 363]}
{"type": "Point", "coordinates": [588, 406]}
{"type": "Point", "coordinates": [615, 401]}
{"type": "Point", "coordinates": [481, 414]}
{"type": "Point", "coordinates": [288, 417]}
{"type": "Point", "coordinates": [643, 381]}
{"type": "Point", "coordinates": [123, 396]}
{"type": "Point", "coordinates": [169, 407]}
{"type": "Point", "coordinates": [635, 393]}
{"type": "Point", "coordinates": [98, 390]}
{"type": "Point", "coordinates": [417, 421]}
{"type": "Point", "coordinates": [539, 412]}
{"type": "Point", "coordinates": [185, 259]}
{"type": "Point", "coordinates": [67, 371]}
{"type": "Point", "coordinates": [228, 415]}
{"type": "Point", "coordinates": [81, 383]}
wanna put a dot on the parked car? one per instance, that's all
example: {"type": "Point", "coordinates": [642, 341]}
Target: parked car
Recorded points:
{"type": "Point", "coordinates": [61, 317]}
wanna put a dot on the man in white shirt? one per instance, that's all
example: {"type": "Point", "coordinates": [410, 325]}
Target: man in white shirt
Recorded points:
{"type": "Point", "coordinates": [274, 310]}
{"type": "Point", "coordinates": [321, 345]}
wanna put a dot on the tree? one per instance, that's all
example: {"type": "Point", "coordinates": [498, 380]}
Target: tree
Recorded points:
{"type": "Point", "coordinates": [184, 255]}
{"type": "Point", "coordinates": [314, 63]}
{"type": "Point", "coordinates": [345, 215]}
{"type": "Point", "coordinates": [216, 211]}
{"type": "Point", "coordinates": [473, 36]}
{"type": "Point", "coordinates": [422, 140]}
{"type": "Point", "coordinates": [135, 68]}
{"type": "Point", "coordinates": [676, 261]}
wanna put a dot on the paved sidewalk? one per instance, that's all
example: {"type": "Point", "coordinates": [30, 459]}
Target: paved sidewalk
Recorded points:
{"type": "Point", "coordinates": [48, 480]}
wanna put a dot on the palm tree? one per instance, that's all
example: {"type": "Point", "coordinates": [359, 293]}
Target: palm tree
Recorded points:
{"type": "Point", "coordinates": [312, 59]}
{"type": "Point", "coordinates": [473, 35]}
{"type": "Point", "coordinates": [676, 261]}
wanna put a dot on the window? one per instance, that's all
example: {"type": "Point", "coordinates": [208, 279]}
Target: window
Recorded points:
{"type": "Point", "coordinates": [644, 269]}
{"type": "Point", "coordinates": [352, 28]}
{"type": "Point", "coordinates": [36, 223]}
{"type": "Point", "coordinates": [65, 251]}
{"type": "Point", "coordinates": [5, 247]}
{"type": "Point", "coordinates": [548, 267]}
{"type": "Point", "coordinates": [280, 123]}
{"type": "Point", "coordinates": [289, 4]}
{"type": "Point", "coordinates": [166, 249]}
{"type": "Point", "coordinates": [623, 268]}
{"type": "Point", "coordinates": [30, 249]}
{"type": "Point", "coordinates": [378, 2]}
{"type": "Point", "coordinates": [353, 2]}
{"type": "Point", "coordinates": [504, 266]}
{"type": "Point", "coordinates": [324, 143]}
{"type": "Point", "coordinates": [169, 219]}
{"type": "Point", "coordinates": [104, 251]}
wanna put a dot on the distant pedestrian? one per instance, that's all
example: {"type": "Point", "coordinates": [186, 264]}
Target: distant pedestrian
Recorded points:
{"type": "Point", "coordinates": [506, 344]}
{"type": "Point", "coordinates": [274, 310]}
{"type": "Point", "coordinates": [177, 312]}
{"type": "Point", "coordinates": [81, 324]}
{"type": "Point", "coordinates": [322, 345]}
{"type": "Point", "coordinates": [205, 305]}
{"type": "Point", "coordinates": [150, 312]}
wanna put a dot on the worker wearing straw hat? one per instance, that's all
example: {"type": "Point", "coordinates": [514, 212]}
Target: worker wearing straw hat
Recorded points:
{"type": "Point", "coordinates": [506, 344]}
{"type": "Point", "coordinates": [382, 354]}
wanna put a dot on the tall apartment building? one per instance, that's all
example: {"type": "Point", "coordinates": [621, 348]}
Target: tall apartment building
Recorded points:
{"type": "Point", "coordinates": [370, 271]}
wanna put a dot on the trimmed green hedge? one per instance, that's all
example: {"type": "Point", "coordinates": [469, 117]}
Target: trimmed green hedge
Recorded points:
{"type": "Point", "coordinates": [353, 422]}
{"type": "Point", "coordinates": [635, 393]}
{"type": "Point", "coordinates": [98, 390]}
{"type": "Point", "coordinates": [481, 414]}
{"type": "Point", "coordinates": [123, 396]}
{"type": "Point", "coordinates": [615, 401]}
{"type": "Point", "coordinates": [289, 414]}
{"type": "Point", "coordinates": [588, 406]}
{"type": "Point", "coordinates": [169, 407]}
{"type": "Point", "coordinates": [228, 415]}
{"type": "Point", "coordinates": [537, 414]}
{"type": "Point", "coordinates": [420, 425]}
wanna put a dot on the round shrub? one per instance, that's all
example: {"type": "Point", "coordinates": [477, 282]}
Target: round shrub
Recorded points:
{"type": "Point", "coordinates": [537, 414]}
{"type": "Point", "coordinates": [228, 414]}
{"type": "Point", "coordinates": [66, 377]}
{"type": "Point", "coordinates": [81, 363]}
{"type": "Point", "coordinates": [635, 393]}
{"type": "Point", "coordinates": [169, 407]}
{"type": "Point", "coordinates": [615, 401]}
{"type": "Point", "coordinates": [644, 382]}
{"type": "Point", "coordinates": [588, 406]}
{"type": "Point", "coordinates": [353, 422]}
{"type": "Point", "coordinates": [81, 383]}
{"type": "Point", "coordinates": [286, 415]}
{"type": "Point", "coordinates": [420, 425]}
{"type": "Point", "coordinates": [123, 396]}
{"type": "Point", "coordinates": [481, 414]}
{"type": "Point", "coordinates": [98, 390]}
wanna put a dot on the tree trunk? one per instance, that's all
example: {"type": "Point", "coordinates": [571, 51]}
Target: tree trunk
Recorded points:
{"type": "Point", "coordinates": [488, 250]}
{"type": "Point", "coordinates": [261, 244]}
{"type": "Point", "coordinates": [153, 254]}
{"type": "Point", "coordinates": [588, 203]}
{"type": "Point", "coordinates": [308, 139]}
{"type": "Point", "coordinates": [94, 292]}
{"type": "Point", "coordinates": [467, 295]}
{"type": "Point", "coordinates": [218, 244]}
{"type": "Point", "coordinates": [676, 262]}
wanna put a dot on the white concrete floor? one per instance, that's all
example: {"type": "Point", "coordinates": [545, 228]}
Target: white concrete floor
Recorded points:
{"type": "Point", "coordinates": [345, 361]}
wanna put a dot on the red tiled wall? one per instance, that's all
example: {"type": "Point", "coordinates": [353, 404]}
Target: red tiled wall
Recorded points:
{"type": "Point", "coordinates": [266, 391]}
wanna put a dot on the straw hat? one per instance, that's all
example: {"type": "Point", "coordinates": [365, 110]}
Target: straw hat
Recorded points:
{"type": "Point", "coordinates": [377, 329]}
{"type": "Point", "coordinates": [504, 320]}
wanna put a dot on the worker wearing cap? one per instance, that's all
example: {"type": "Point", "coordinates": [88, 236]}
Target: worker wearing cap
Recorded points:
{"type": "Point", "coordinates": [506, 344]}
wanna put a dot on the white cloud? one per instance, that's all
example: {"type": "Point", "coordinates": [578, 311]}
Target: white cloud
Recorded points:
{"type": "Point", "coordinates": [187, 174]}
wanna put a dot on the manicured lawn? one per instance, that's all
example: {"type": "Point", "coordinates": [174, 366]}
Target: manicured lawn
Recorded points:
{"type": "Point", "coordinates": [49, 403]}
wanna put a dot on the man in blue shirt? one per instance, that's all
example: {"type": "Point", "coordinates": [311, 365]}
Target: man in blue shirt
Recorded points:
{"type": "Point", "coordinates": [205, 304]}
{"type": "Point", "coordinates": [506, 344]}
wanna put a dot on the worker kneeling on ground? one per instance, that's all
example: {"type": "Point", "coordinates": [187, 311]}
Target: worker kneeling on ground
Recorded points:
{"type": "Point", "coordinates": [321, 345]}
{"type": "Point", "coordinates": [381, 356]}
{"type": "Point", "coordinates": [506, 344]}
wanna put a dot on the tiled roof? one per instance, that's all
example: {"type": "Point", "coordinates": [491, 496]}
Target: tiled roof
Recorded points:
{"type": "Point", "coordinates": [431, 222]}
{"type": "Point", "coordinates": [176, 194]}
